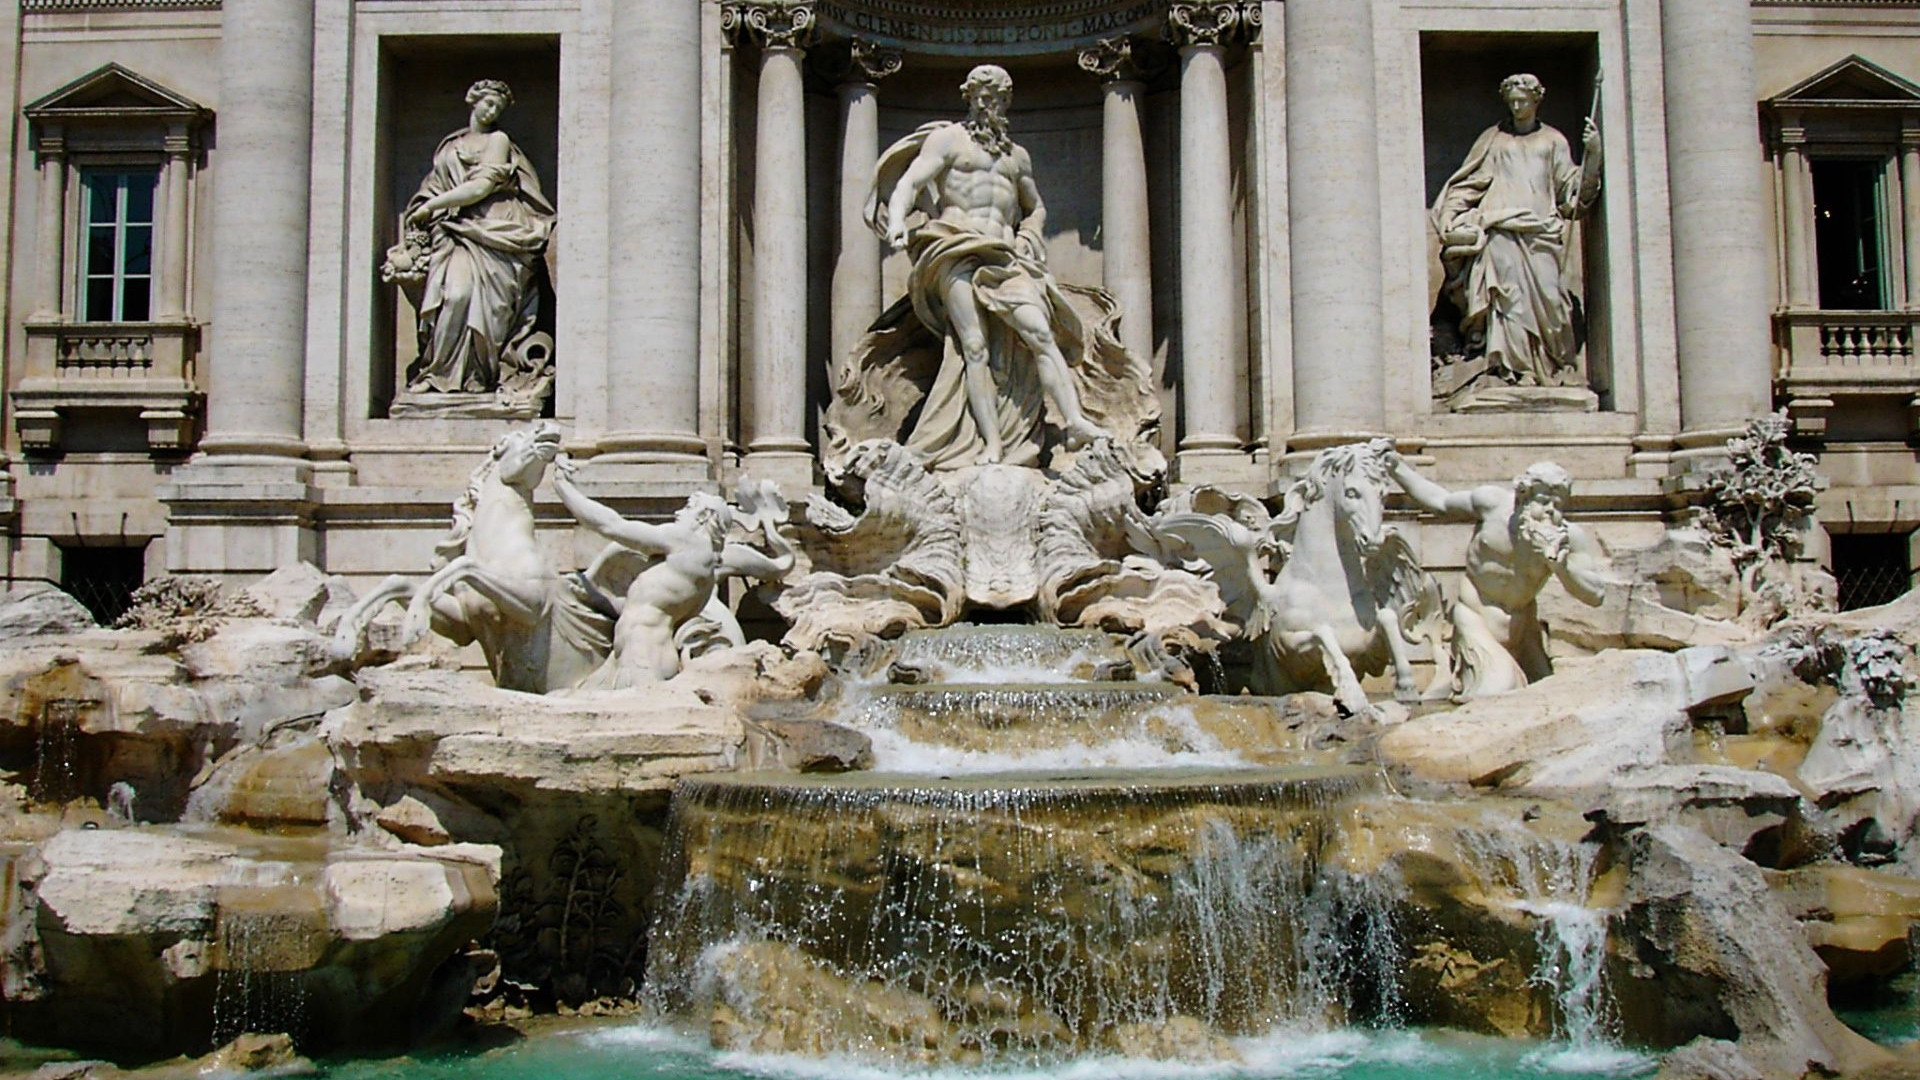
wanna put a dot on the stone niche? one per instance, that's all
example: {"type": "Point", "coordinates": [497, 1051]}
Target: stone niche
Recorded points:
{"type": "Point", "coordinates": [1460, 76]}
{"type": "Point", "coordinates": [422, 99]}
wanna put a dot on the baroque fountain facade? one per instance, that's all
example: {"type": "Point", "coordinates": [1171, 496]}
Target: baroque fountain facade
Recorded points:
{"type": "Point", "coordinates": [1098, 693]}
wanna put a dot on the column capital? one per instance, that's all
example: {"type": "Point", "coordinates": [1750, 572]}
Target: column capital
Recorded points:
{"type": "Point", "coordinates": [771, 24]}
{"type": "Point", "coordinates": [1210, 22]}
{"type": "Point", "coordinates": [1909, 132]}
{"type": "Point", "coordinates": [1111, 59]}
{"type": "Point", "coordinates": [868, 62]}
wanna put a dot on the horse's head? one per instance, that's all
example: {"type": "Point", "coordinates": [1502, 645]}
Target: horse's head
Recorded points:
{"type": "Point", "coordinates": [1353, 479]}
{"type": "Point", "coordinates": [522, 455]}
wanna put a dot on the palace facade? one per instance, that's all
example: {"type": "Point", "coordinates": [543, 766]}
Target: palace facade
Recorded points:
{"type": "Point", "coordinates": [211, 364]}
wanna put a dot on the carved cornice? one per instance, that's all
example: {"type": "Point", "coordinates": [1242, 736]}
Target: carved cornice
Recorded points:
{"type": "Point", "coordinates": [1206, 22]}
{"type": "Point", "coordinates": [1111, 59]}
{"type": "Point", "coordinates": [770, 24]}
{"type": "Point", "coordinates": [976, 28]}
{"type": "Point", "coordinates": [868, 62]}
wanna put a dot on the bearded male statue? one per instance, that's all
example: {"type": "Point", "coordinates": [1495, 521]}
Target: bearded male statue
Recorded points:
{"type": "Point", "coordinates": [988, 360]}
{"type": "Point", "coordinates": [1521, 539]}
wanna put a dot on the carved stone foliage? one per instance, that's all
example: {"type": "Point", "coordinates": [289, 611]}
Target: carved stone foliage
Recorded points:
{"type": "Point", "coordinates": [1212, 22]}
{"type": "Point", "coordinates": [1759, 508]}
{"type": "Point", "coordinates": [870, 62]}
{"type": "Point", "coordinates": [770, 24]}
{"type": "Point", "coordinates": [1110, 58]}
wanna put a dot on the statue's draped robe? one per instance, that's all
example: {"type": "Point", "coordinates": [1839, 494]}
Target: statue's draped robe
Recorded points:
{"type": "Point", "coordinates": [1524, 192]}
{"type": "Point", "coordinates": [480, 297]}
{"type": "Point", "coordinates": [1113, 388]}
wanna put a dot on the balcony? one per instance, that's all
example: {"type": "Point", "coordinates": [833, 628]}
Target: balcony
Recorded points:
{"type": "Point", "coordinates": [1825, 355]}
{"type": "Point", "coordinates": [144, 367]}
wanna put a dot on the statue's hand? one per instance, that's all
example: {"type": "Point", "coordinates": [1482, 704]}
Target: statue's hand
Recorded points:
{"type": "Point", "coordinates": [1590, 138]}
{"type": "Point", "coordinates": [897, 234]}
{"type": "Point", "coordinates": [420, 216]}
{"type": "Point", "coordinates": [564, 466]}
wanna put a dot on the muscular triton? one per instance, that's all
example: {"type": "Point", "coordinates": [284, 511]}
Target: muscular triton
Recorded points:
{"type": "Point", "coordinates": [979, 260]}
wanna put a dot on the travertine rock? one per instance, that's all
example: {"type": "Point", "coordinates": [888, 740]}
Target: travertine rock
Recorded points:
{"type": "Point", "coordinates": [1598, 718]}
{"type": "Point", "coordinates": [34, 609]}
{"type": "Point", "coordinates": [129, 930]}
{"type": "Point", "coordinates": [1706, 951]}
{"type": "Point", "coordinates": [298, 593]}
{"type": "Point", "coordinates": [413, 821]}
{"type": "Point", "coordinates": [1857, 920]}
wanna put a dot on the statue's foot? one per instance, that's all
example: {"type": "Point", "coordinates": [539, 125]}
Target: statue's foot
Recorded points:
{"type": "Point", "coordinates": [1083, 434]}
{"type": "Point", "coordinates": [991, 456]}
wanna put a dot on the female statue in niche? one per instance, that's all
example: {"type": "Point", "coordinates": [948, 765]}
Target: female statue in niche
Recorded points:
{"type": "Point", "coordinates": [1506, 223]}
{"type": "Point", "coordinates": [471, 239]}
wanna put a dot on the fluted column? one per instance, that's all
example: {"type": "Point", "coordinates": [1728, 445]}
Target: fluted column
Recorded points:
{"type": "Point", "coordinates": [1719, 259]}
{"type": "Point", "coordinates": [1125, 248]}
{"type": "Point", "coordinates": [260, 217]}
{"type": "Point", "coordinates": [50, 266]}
{"type": "Point", "coordinates": [856, 268]}
{"type": "Point", "coordinates": [1333, 192]}
{"type": "Point", "coordinates": [175, 243]}
{"type": "Point", "coordinates": [777, 334]}
{"type": "Point", "coordinates": [1910, 206]}
{"type": "Point", "coordinates": [1797, 210]}
{"type": "Point", "coordinates": [1209, 396]}
{"type": "Point", "coordinates": [653, 246]}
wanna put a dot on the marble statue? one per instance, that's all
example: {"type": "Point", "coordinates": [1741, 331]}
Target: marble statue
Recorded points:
{"type": "Point", "coordinates": [472, 238]}
{"type": "Point", "coordinates": [667, 577]}
{"type": "Point", "coordinates": [988, 359]}
{"type": "Point", "coordinates": [1346, 598]}
{"type": "Point", "coordinates": [1521, 538]}
{"type": "Point", "coordinates": [1506, 223]}
{"type": "Point", "coordinates": [492, 584]}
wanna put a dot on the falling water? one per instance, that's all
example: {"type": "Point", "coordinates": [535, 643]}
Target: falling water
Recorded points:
{"type": "Point", "coordinates": [1015, 915]}
{"type": "Point", "coordinates": [1550, 882]}
{"type": "Point", "coordinates": [263, 949]}
{"type": "Point", "coordinates": [56, 774]}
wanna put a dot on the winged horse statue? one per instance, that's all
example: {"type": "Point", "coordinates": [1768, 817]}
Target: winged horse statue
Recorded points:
{"type": "Point", "coordinates": [493, 584]}
{"type": "Point", "coordinates": [1325, 591]}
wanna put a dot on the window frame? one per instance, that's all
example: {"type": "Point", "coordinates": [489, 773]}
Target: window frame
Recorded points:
{"type": "Point", "coordinates": [1886, 216]}
{"type": "Point", "coordinates": [84, 170]}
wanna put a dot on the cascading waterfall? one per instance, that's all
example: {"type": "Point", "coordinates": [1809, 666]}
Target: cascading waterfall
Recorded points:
{"type": "Point", "coordinates": [1550, 882]}
{"type": "Point", "coordinates": [1015, 915]}
{"type": "Point", "coordinates": [56, 773]}
{"type": "Point", "coordinates": [259, 963]}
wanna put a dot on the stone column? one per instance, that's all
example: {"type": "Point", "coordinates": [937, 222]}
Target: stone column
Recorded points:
{"type": "Point", "coordinates": [1126, 250]}
{"type": "Point", "coordinates": [777, 333]}
{"type": "Point", "coordinates": [653, 246]}
{"type": "Point", "coordinates": [244, 505]}
{"type": "Point", "coordinates": [50, 267]}
{"type": "Point", "coordinates": [1333, 193]}
{"type": "Point", "coordinates": [1797, 210]}
{"type": "Point", "coordinates": [1210, 398]}
{"type": "Point", "coordinates": [1719, 259]}
{"type": "Point", "coordinates": [260, 218]}
{"type": "Point", "coordinates": [1910, 206]}
{"type": "Point", "coordinates": [856, 268]}
{"type": "Point", "coordinates": [175, 242]}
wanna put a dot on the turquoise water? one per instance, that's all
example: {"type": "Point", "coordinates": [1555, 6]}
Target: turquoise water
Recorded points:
{"type": "Point", "coordinates": [631, 1050]}
{"type": "Point", "coordinates": [1894, 1017]}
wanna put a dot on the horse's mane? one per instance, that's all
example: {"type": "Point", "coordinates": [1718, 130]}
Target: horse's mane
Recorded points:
{"type": "Point", "coordinates": [1328, 466]}
{"type": "Point", "coordinates": [455, 543]}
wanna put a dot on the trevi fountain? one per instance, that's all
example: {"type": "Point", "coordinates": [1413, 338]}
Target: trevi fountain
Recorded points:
{"type": "Point", "coordinates": [1059, 769]}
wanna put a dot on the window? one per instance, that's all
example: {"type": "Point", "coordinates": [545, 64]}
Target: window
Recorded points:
{"type": "Point", "coordinates": [1871, 568]}
{"type": "Point", "coordinates": [103, 578]}
{"type": "Point", "coordinates": [116, 259]}
{"type": "Point", "coordinates": [1850, 235]}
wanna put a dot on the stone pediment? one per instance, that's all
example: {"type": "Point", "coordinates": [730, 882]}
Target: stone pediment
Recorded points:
{"type": "Point", "coordinates": [114, 93]}
{"type": "Point", "coordinates": [1854, 82]}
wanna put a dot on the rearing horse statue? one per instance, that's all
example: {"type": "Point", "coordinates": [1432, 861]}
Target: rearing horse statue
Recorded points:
{"type": "Point", "coordinates": [1347, 597]}
{"type": "Point", "coordinates": [491, 584]}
